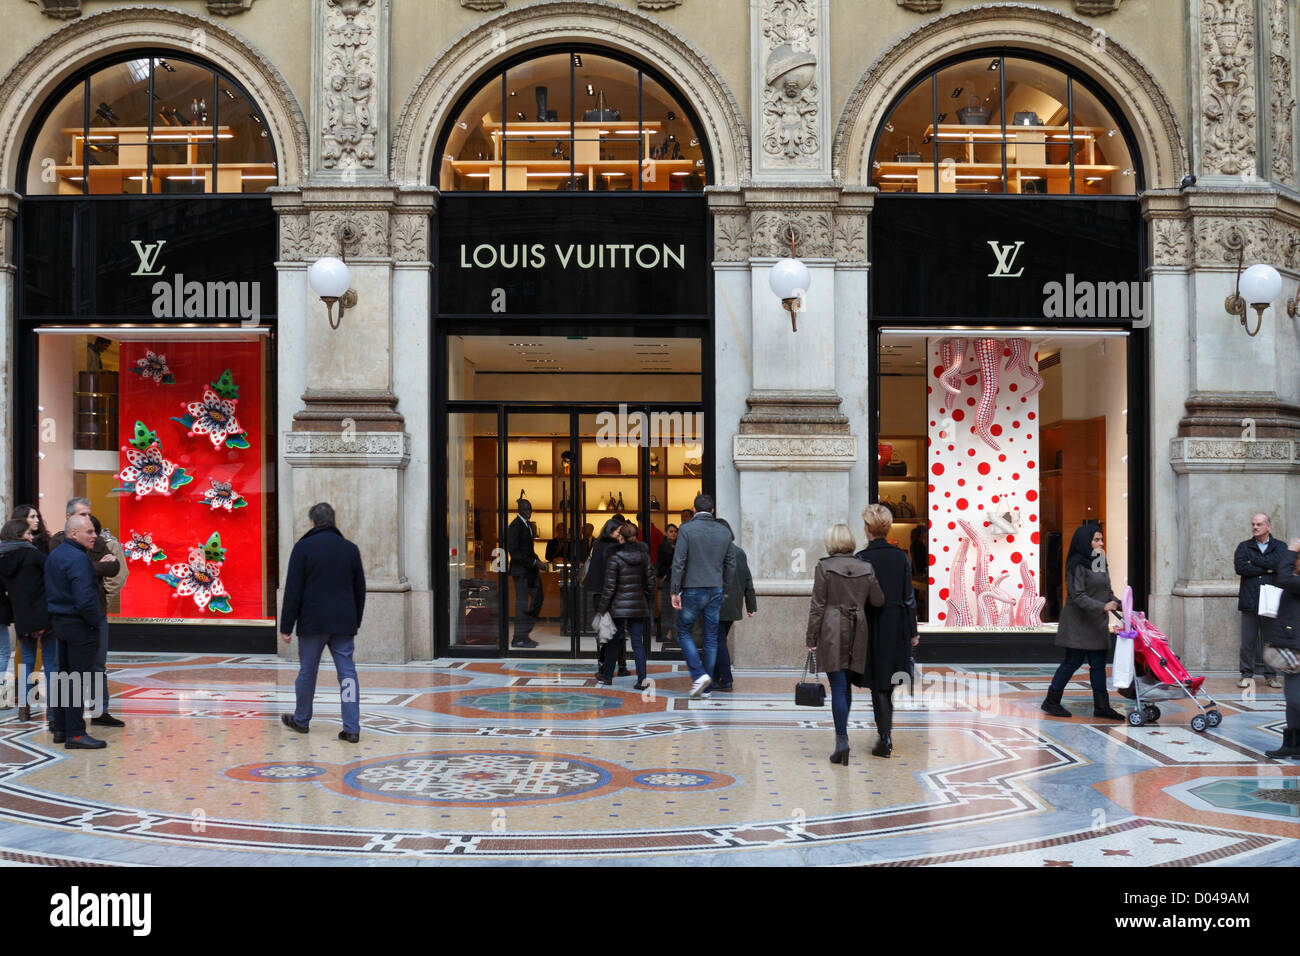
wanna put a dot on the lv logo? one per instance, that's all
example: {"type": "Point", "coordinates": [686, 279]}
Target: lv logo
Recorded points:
{"type": "Point", "coordinates": [1006, 256]}
{"type": "Point", "coordinates": [148, 257]}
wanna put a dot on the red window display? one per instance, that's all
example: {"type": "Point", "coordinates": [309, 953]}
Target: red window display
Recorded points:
{"type": "Point", "coordinates": [174, 460]}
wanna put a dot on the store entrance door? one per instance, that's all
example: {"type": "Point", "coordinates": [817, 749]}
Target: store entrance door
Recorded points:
{"type": "Point", "coordinates": [530, 489]}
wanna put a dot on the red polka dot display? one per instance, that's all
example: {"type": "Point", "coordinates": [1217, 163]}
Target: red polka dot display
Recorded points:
{"type": "Point", "coordinates": [981, 582]}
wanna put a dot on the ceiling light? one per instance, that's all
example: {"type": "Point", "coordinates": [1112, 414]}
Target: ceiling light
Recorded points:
{"type": "Point", "coordinates": [577, 60]}
{"type": "Point", "coordinates": [590, 90]}
{"type": "Point", "coordinates": [957, 91]}
{"type": "Point", "coordinates": [993, 65]}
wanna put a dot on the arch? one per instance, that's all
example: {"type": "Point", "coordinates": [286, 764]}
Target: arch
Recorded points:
{"type": "Point", "coordinates": [1114, 69]}
{"type": "Point", "coordinates": [550, 22]}
{"type": "Point", "coordinates": [40, 71]}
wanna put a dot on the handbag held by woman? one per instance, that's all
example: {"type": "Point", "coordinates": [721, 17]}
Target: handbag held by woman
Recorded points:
{"type": "Point", "coordinates": [810, 693]}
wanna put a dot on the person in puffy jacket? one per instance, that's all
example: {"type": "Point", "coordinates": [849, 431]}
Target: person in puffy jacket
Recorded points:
{"type": "Point", "coordinates": [1282, 643]}
{"type": "Point", "coordinates": [593, 582]}
{"type": "Point", "coordinates": [626, 595]}
{"type": "Point", "coordinates": [22, 592]}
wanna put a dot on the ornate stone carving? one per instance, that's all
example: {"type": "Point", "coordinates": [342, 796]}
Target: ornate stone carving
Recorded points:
{"type": "Point", "coordinates": [1171, 242]}
{"type": "Point", "coordinates": [295, 238]}
{"type": "Point", "coordinates": [794, 453]}
{"type": "Point", "coordinates": [1228, 87]}
{"type": "Point", "coordinates": [731, 236]}
{"type": "Point", "coordinates": [850, 237]}
{"type": "Point", "coordinates": [316, 449]}
{"type": "Point", "coordinates": [1219, 239]}
{"type": "Point", "coordinates": [1095, 8]}
{"type": "Point", "coordinates": [370, 233]}
{"type": "Point", "coordinates": [921, 6]}
{"type": "Point", "coordinates": [790, 92]}
{"type": "Point", "coordinates": [410, 238]}
{"type": "Point", "coordinates": [1283, 103]}
{"type": "Point", "coordinates": [1229, 450]}
{"type": "Point", "coordinates": [482, 4]}
{"type": "Point", "coordinates": [349, 127]}
{"type": "Point", "coordinates": [227, 8]}
{"type": "Point", "coordinates": [60, 9]}
{"type": "Point", "coordinates": [770, 236]}
{"type": "Point", "coordinates": [658, 4]}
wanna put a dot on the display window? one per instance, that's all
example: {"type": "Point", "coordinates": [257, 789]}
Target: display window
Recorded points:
{"type": "Point", "coordinates": [994, 445]}
{"type": "Point", "coordinates": [167, 435]}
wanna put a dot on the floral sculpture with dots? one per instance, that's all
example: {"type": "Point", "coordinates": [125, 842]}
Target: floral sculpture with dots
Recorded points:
{"type": "Point", "coordinates": [200, 577]}
{"type": "Point", "coordinates": [214, 414]}
{"type": "Point", "coordinates": [147, 471]}
{"type": "Point", "coordinates": [222, 495]}
{"type": "Point", "coordinates": [142, 548]}
{"type": "Point", "coordinates": [153, 366]}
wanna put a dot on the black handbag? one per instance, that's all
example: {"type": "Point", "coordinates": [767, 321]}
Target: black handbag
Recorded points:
{"type": "Point", "coordinates": [810, 693]}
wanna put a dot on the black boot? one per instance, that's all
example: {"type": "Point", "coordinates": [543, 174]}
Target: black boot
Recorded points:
{"type": "Point", "coordinates": [882, 703]}
{"type": "Point", "coordinates": [1101, 707]}
{"type": "Point", "coordinates": [1290, 744]}
{"type": "Point", "coordinates": [841, 754]}
{"type": "Point", "coordinates": [1052, 704]}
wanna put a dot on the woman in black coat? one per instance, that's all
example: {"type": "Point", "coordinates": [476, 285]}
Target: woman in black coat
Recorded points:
{"type": "Point", "coordinates": [1084, 628]}
{"type": "Point", "coordinates": [22, 592]}
{"type": "Point", "coordinates": [891, 628]}
{"type": "Point", "coordinates": [1282, 637]}
{"type": "Point", "coordinates": [626, 596]}
{"type": "Point", "coordinates": [593, 582]}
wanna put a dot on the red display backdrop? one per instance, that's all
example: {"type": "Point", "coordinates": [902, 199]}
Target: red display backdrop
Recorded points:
{"type": "Point", "coordinates": [184, 520]}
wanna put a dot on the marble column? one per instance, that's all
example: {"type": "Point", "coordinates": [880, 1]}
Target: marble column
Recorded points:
{"type": "Point", "coordinates": [8, 211]}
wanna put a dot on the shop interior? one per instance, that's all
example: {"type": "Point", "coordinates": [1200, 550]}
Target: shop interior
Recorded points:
{"type": "Point", "coordinates": [1061, 460]}
{"type": "Point", "coordinates": [582, 428]}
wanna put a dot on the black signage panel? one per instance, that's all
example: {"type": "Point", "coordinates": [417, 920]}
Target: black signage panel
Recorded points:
{"type": "Point", "coordinates": [1003, 258]}
{"type": "Point", "coordinates": [188, 259]}
{"type": "Point", "coordinates": [572, 256]}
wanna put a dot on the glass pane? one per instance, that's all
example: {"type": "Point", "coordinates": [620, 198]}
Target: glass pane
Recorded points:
{"type": "Point", "coordinates": [1102, 164]}
{"type": "Point", "coordinates": [245, 154]}
{"type": "Point", "coordinates": [904, 161]}
{"type": "Point", "coordinates": [472, 160]}
{"type": "Point", "coordinates": [671, 155]}
{"type": "Point", "coordinates": [536, 533]}
{"type": "Point", "coordinates": [1038, 157]}
{"type": "Point", "coordinates": [537, 136]}
{"type": "Point", "coordinates": [55, 167]}
{"type": "Point", "coordinates": [183, 135]}
{"type": "Point", "coordinates": [969, 133]}
{"type": "Point", "coordinates": [475, 567]}
{"type": "Point", "coordinates": [117, 145]}
{"type": "Point", "coordinates": [986, 506]}
{"type": "Point", "coordinates": [676, 441]}
{"type": "Point", "coordinates": [606, 151]}
{"type": "Point", "coordinates": [191, 507]}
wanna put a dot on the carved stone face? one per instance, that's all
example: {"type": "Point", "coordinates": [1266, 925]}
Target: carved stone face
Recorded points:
{"type": "Point", "coordinates": [796, 81]}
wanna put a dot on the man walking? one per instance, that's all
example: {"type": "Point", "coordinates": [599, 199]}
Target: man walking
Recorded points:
{"type": "Point", "coordinates": [73, 603]}
{"type": "Point", "coordinates": [702, 561]}
{"type": "Point", "coordinates": [524, 575]}
{"type": "Point", "coordinates": [1256, 561]}
{"type": "Point", "coordinates": [324, 595]}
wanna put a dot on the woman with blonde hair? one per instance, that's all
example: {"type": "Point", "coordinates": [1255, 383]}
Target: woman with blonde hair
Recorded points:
{"type": "Point", "coordinates": [892, 625]}
{"type": "Point", "coordinates": [837, 625]}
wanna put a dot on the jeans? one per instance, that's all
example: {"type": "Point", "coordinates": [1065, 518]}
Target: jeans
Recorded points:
{"type": "Point", "coordinates": [841, 700]}
{"type": "Point", "coordinates": [706, 603]}
{"type": "Point", "coordinates": [634, 627]}
{"type": "Point", "coordinates": [722, 669]}
{"type": "Point", "coordinates": [1074, 657]}
{"type": "Point", "coordinates": [49, 660]}
{"type": "Point", "coordinates": [78, 643]}
{"type": "Point", "coordinates": [101, 667]}
{"type": "Point", "coordinates": [310, 649]}
{"type": "Point", "coordinates": [6, 651]}
{"type": "Point", "coordinates": [1252, 643]}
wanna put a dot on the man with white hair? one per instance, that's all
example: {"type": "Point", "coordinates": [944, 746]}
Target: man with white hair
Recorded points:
{"type": "Point", "coordinates": [1256, 561]}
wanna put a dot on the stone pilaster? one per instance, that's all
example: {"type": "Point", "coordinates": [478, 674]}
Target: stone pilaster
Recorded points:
{"type": "Point", "coordinates": [350, 121]}
{"type": "Point", "coordinates": [1224, 72]}
{"type": "Point", "coordinates": [8, 211]}
{"type": "Point", "coordinates": [790, 89]}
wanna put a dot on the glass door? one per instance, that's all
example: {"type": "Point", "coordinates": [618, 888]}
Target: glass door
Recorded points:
{"type": "Point", "coordinates": [476, 566]}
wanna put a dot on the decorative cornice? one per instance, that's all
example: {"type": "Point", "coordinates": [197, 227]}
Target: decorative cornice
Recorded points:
{"type": "Point", "coordinates": [339, 449]}
{"type": "Point", "coordinates": [483, 5]}
{"type": "Point", "coordinates": [1226, 455]}
{"type": "Point", "coordinates": [1096, 8]}
{"type": "Point", "coordinates": [921, 6]}
{"type": "Point", "coordinates": [658, 5]}
{"type": "Point", "coordinates": [228, 8]}
{"type": "Point", "coordinates": [794, 453]}
{"type": "Point", "coordinates": [60, 9]}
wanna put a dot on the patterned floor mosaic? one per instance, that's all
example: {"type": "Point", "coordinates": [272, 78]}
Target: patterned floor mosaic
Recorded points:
{"type": "Point", "coordinates": [500, 762]}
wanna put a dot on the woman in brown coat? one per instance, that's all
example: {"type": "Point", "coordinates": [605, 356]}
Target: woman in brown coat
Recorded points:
{"type": "Point", "coordinates": [837, 625]}
{"type": "Point", "coordinates": [1084, 629]}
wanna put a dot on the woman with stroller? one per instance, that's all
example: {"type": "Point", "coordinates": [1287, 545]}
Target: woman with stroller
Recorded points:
{"type": "Point", "coordinates": [626, 596]}
{"type": "Point", "coordinates": [1282, 644]}
{"type": "Point", "coordinates": [1084, 628]}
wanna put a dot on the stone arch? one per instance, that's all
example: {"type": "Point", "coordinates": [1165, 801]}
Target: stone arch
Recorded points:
{"type": "Point", "coordinates": [548, 22]}
{"type": "Point", "coordinates": [1141, 100]}
{"type": "Point", "coordinates": [44, 66]}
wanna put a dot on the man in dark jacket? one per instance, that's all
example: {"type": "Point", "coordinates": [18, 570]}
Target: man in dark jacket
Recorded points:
{"type": "Point", "coordinates": [73, 603]}
{"type": "Point", "coordinates": [524, 574]}
{"type": "Point", "coordinates": [1256, 562]}
{"type": "Point", "coordinates": [702, 561]}
{"type": "Point", "coordinates": [324, 595]}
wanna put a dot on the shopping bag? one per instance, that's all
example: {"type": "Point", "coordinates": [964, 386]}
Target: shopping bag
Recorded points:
{"type": "Point", "coordinates": [1122, 666]}
{"type": "Point", "coordinates": [1269, 599]}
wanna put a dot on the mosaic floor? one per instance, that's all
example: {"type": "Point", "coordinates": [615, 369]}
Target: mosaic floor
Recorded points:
{"type": "Point", "coordinates": [505, 762]}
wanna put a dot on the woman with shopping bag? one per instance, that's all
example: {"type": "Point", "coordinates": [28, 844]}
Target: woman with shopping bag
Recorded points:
{"type": "Point", "coordinates": [1282, 648]}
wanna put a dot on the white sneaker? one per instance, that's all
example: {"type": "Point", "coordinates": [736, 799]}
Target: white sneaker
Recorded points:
{"type": "Point", "coordinates": [697, 689]}
{"type": "Point", "coordinates": [1275, 681]}
{"type": "Point", "coordinates": [1246, 682]}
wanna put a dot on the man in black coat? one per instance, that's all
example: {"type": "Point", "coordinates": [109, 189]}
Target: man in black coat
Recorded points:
{"type": "Point", "coordinates": [1256, 561]}
{"type": "Point", "coordinates": [73, 602]}
{"type": "Point", "coordinates": [524, 575]}
{"type": "Point", "coordinates": [324, 595]}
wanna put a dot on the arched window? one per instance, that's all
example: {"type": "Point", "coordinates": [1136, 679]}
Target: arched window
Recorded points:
{"type": "Point", "coordinates": [1003, 123]}
{"type": "Point", "coordinates": [572, 120]}
{"type": "Point", "coordinates": [150, 122]}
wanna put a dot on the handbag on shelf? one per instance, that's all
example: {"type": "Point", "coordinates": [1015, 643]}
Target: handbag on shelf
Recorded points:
{"type": "Point", "coordinates": [894, 468]}
{"type": "Point", "coordinates": [692, 467]}
{"type": "Point", "coordinates": [609, 466]}
{"type": "Point", "coordinates": [810, 693]}
{"type": "Point", "coordinates": [974, 113]}
{"type": "Point", "coordinates": [527, 466]}
{"type": "Point", "coordinates": [1270, 599]}
{"type": "Point", "coordinates": [1026, 118]}
{"type": "Point", "coordinates": [905, 509]}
